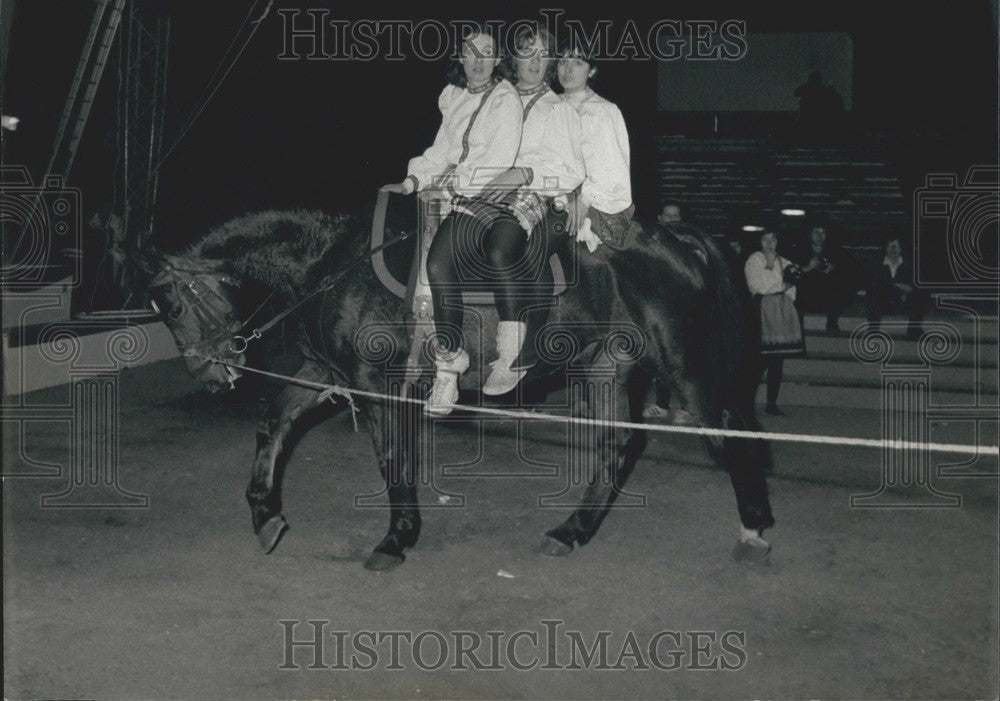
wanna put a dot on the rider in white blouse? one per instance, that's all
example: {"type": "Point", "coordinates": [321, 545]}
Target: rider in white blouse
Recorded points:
{"type": "Point", "coordinates": [479, 137]}
{"type": "Point", "coordinates": [604, 146]}
{"type": "Point", "coordinates": [548, 168]}
{"type": "Point", "coordinates": [470, 158]}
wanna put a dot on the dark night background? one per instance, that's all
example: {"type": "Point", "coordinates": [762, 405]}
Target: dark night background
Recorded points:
{"type": "Point", "coordinates": [327, 133]}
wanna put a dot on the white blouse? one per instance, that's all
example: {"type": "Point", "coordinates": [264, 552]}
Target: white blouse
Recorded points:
{"type": "Point", "coordinates": [470, 157]}
{"type": "Point", "coordinates": [762, 281]}
{"type": "Point", "coordinates": [551, 145]}
{"type": "Point", "coordinates": [605, 149]}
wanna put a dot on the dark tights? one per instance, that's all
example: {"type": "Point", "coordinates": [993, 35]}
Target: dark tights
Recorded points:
{"type": "Point", "coordinates": [467, 254]}
{"type": "Point", "coordinates": [774, 365]}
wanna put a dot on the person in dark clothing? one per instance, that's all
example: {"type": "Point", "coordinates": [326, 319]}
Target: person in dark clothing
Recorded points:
{"type": "Point", "coordinates": [892, 290]}
{"type": "Point", "coordinates": [830, 279]}
{"type": "Point", "coordinates": [670, 213]}
{"type": "Point", "coordinates": [821, 108]}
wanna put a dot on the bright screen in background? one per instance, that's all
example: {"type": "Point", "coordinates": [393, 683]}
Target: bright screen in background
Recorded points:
{"type": "Point", "coordinates": [763, 80]}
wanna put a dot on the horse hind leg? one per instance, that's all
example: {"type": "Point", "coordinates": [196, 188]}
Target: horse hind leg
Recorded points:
{"type": "Point", "coordinates": [746, 461]}
{"type": "Point", "coordinates": [264, 492]}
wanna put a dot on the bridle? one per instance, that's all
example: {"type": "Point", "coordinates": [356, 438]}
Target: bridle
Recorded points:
{"type": "Point", "coordinates": [194, 294]}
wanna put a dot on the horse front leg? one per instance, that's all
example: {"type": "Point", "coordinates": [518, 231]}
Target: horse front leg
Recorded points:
{"type": "Point", "coordinates": [395, 429]}
{"type": "Point", "coordinates": [264, 492]}
{"type": "Point", "coordinates": [617, 451]}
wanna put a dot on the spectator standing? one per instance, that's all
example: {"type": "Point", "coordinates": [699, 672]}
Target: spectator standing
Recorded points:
{"type": "Point", "coordinates": [770, 279]}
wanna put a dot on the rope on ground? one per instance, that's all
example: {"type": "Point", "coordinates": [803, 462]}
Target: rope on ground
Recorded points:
{"type": "Point", "coordinates": [329, 390]}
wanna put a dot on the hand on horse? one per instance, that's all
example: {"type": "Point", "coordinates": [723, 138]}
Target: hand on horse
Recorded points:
{"type": "Point", "coordinates": [399, 188]}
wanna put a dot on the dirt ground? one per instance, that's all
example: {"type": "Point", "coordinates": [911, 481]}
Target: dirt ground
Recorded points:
{"type": "Point", "coordinates": [176, 600]}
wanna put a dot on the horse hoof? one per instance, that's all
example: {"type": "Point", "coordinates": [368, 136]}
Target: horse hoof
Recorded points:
{"type": "Point", "coordinates": [270, 533]}
{"type": "Point", "coordinates": [554, 548]}
{"type": "Point", "coordinates": [754, 549]}
{"type": "Point", "coordinates": [380, 562]}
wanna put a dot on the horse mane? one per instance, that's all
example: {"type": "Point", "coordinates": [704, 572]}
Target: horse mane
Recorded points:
{"type": "Point", "coordinates": [692, 240]}
{"type": "Point", "coordinates": [276, 248]}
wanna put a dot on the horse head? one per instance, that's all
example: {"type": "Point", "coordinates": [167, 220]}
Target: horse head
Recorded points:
{"type": "Point", "coordinates": [197, 302]}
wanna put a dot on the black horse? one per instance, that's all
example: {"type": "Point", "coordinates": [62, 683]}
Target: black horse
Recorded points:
{"type": "Point", "coordinates": [665, 307]}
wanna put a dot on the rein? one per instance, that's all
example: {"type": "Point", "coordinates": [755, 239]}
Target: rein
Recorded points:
{"type": "Point", "coordinates": [239, 343]}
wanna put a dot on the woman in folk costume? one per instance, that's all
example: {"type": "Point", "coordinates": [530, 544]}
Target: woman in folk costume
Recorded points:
{"type": "Point", "coordinates": [548, 168]}
{"type": "Point", "coordinates": [603, 210]}
{"type": "Point", "coordinates": [771, 281]}
{"type": "Point", "coordinates": [479, 137]}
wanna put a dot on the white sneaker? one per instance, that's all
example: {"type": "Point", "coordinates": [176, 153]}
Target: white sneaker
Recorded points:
{"type": "Point", "coordinates": [510, 336]}
{"type": "Point", "coordinates": [444, 392]}
{"type": "Point", "coordinates": [502, 379]}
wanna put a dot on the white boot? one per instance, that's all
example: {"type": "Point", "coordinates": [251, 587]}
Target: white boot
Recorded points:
{"type": "Point", "coordinates": [444, 392]}
{"type": "Point", "coordinates": [510, 336]}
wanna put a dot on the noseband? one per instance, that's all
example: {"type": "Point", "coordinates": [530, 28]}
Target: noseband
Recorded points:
{"type": "Point", "coordinates": [214, 313]}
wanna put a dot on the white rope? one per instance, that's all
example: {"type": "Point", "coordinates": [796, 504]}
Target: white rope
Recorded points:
{"type": "Point", "coordinates": [329, 390]}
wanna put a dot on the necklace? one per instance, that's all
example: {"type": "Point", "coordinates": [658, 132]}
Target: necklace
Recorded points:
{"type": "Point", "coordinates": [541, 87]}
{"type": "Point", "coordinates": [480, 88]}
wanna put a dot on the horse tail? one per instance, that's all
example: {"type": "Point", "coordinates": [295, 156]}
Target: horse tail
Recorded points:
{"type": "Point", "coordinates": [730, 329]}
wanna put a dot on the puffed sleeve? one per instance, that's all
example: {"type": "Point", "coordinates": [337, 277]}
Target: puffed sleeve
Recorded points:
{"type": "Point", "coordinates": [558, 167]}
{"type": "Point", "coordinates": [608, 185]}
{"type": "Point", "coordinates": [762, 281]}
{"type": "Point", "coordinates": [493, 142]}
{"type": "Point", "coordinates": [433, 161]}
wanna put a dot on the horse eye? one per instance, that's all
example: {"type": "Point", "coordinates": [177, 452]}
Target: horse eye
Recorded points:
{"type": "Point", "coordinates": [175, 312]}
